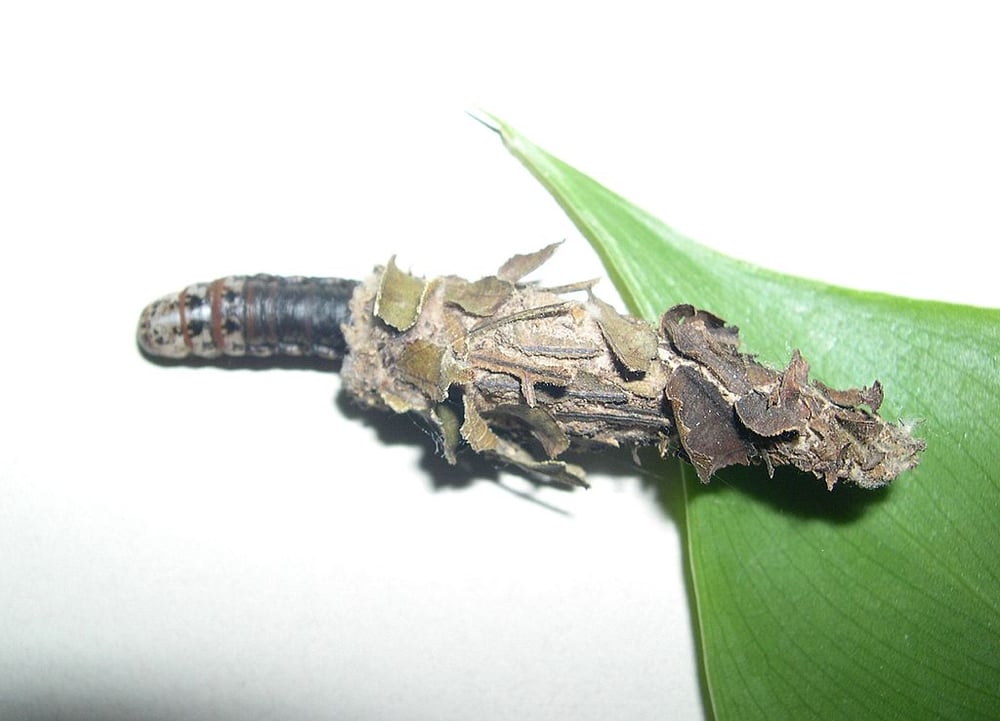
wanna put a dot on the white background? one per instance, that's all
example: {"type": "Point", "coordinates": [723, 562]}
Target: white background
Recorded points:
{"type": "Point", "coordinates": [182, 543]}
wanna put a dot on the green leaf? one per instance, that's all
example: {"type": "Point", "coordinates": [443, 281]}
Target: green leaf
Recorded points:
{"type": "Point", "coordinates": [843, 604]}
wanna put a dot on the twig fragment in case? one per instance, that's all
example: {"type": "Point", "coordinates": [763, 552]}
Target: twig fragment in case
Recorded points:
{"type": "Point", "coordinates": [522, 373]}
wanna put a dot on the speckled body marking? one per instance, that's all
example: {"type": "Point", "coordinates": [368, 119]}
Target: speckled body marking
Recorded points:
{"type": "Point", "coordinates": [260, 315]}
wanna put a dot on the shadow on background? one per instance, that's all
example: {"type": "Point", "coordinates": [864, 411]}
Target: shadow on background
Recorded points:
{"type": "Point", "coordinates": [661, 477]}
{"type": "Point", "coordinates": [409, 429]}
{"type": "Point", "coordinates": [155, 703]}
{"type": "Point", "coordinates": [789, 490]}
{"type": "Point", "coordinates": [793, 492]}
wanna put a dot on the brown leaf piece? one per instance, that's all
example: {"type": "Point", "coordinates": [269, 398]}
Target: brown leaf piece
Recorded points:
{"type": "Point", "coordinates": [708, 431]}
{"type": "Point", "coordinates": [520, 265]}
{"type": "Point", "coordinates": [871, 397]}
{"type": "Point", "coordinates": [523, 373]}
{"type": "Point", "coordinates": [781, 411]}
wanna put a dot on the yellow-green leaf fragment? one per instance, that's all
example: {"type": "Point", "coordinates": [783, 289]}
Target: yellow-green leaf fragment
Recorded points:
{"type": "Point", "coordinates": [475, 430]}
{"type": "Point", "coordinates": [481, 297]}
{"type": "Point", "coordinates": [400, 296]}
{"type": "Point", "coordinates": [449, 422]}
{"type": "Point", "coordinates": [420, 363]}
{"type": "Point", "coordinates": [633, 341]}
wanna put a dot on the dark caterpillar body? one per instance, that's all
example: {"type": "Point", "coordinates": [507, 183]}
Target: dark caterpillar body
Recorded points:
{"type": "Point", "coordinates": [259, 315]}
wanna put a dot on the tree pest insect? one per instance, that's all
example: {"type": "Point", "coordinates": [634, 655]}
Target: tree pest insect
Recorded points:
{"type": "Point", "coordinates": [522, 373]}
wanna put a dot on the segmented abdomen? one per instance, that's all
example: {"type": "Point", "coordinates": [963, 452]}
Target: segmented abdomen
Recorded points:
{"type": "Point", "coordinates": [259, 315]}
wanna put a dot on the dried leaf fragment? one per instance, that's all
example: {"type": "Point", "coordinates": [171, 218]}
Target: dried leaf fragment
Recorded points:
{"type": "Point", "coordinates": [481, 297]}
{"type": "Point", "coordinates": [520, 265]}
{"type": "Point", "coordinates": [708, 435]}
{"type": "Point", "coordinates": [542, 426]}
{"type": "Point", "coordinates": [421, 363]}
{"type": "Point", "coordinates": [632, 341]}
{"type": "Point", "coordinates": [780, 411]}
{"type": "Point", "coordinates": [399, 298]}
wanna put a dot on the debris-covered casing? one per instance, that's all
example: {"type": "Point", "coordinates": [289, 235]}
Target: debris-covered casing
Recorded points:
{"type": "Point", "coordinates": [523, 373]}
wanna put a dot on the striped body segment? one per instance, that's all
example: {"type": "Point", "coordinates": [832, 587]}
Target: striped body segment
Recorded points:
{"type": "Point", "coordinates": [259, 315]}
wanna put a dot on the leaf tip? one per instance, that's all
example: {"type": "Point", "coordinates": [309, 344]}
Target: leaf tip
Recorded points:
{"type": "Point", "coordinates": [488, 119]}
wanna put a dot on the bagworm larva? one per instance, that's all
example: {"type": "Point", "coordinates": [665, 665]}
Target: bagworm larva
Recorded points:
{"type": "Point", "coordinates": [522, 373]}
